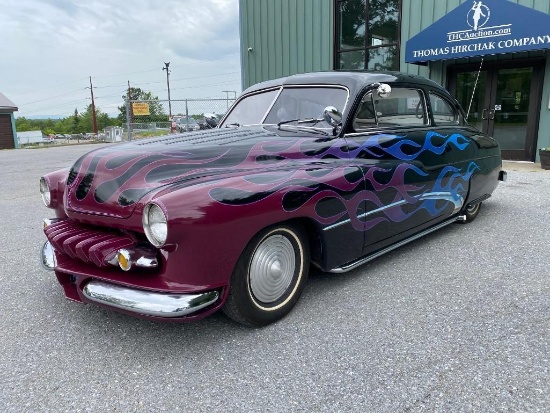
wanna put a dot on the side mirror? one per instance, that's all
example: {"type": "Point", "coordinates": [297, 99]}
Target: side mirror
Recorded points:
{"type": "Point", "coordinates": [211, 120]}
{"type": "Point", "coordinates": [383, 91]}
{"type": "Point", "coordinates": [332, 116]}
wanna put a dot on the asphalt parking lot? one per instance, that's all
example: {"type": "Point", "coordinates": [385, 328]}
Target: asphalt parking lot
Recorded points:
{"type": "Point", "coordinates": [458, 321]}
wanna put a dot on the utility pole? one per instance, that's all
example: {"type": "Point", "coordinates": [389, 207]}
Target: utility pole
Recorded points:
{"type": "Point", "coordinates": [93, 107]}
{"type": "Point", "coordinates": [227, 92]}
{"type": "Point", "coordinates": [129, 113]}
{"type": "Point", "coordinates": [166, 67]}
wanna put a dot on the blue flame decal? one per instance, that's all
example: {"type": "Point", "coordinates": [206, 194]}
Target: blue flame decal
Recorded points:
{"type": "Point", "coordinates": [374, 145]}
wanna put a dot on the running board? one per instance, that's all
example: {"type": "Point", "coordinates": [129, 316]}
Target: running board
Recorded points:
{"type": "Point", "coordinates": [354, 264]}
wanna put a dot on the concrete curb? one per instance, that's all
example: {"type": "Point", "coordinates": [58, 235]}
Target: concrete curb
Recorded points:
{"type": "Point", "coordinates": [522, 166]}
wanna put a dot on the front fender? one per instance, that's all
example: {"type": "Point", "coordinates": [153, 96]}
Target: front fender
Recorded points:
{"type": "Point", "coordinates": [210, 224]}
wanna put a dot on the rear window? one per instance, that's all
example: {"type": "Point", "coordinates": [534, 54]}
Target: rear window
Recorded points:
{"type": "Point", "coordinates": [444, 113]}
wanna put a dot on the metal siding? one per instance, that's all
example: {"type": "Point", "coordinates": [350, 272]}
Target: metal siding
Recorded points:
{"type": "Point", "coordinates": [264, 46]}
{"type": "Point", "coordinates": [287, 37]}
{"type": "Point", "coordinates": [278, 36]}
{"type": "Point", "coordinates": [542, 5]}
{"type": "Point", "coordinates": [309, 10]}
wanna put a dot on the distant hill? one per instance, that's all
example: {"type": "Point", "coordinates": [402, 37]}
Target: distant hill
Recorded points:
{"type": "Point", "coordinates": [35, 117]}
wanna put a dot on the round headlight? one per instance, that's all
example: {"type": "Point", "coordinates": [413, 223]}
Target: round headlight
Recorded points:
{"type": "Point", "coordinates": [154, 225]}
{"type": "Point", "coordinates": [45, 192]}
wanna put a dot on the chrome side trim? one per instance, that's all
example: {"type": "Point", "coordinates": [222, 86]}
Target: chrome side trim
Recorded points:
{"type": "Point", "coordinates": [47, 256]}
{"type": "Point", "coordinates": [456, 199]}
{"type": "Point", "coordinates": [478, 200]}
{"type": "Point", "coordinates": [148, 302]}
{"type": "Point", "coordinates": [354, 264]}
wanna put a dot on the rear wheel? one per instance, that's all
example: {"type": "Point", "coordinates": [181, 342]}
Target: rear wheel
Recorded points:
{"type": "Point", "coordinates": [471, 212]}
{"type": "Point", "coordinates": [269, 276]}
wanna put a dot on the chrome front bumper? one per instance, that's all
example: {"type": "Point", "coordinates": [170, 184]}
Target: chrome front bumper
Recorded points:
{"type": "Point", "coordinates": [142, 302]}
{"type": "Point", "coordinates": [148, 302]}
{"type": "Point", "coordinates": [47, 256]}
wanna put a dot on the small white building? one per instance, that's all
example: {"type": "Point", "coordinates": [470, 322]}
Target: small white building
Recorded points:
{"type": "Point", "coordinates": [113, 134]}
{"type": "Point", "coordinates": [8, 134]}
{"type": "Point", "coordinates": [30, 137]}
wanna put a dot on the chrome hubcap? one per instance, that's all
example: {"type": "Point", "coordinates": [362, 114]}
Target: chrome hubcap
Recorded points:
{"type": "Point", "coordinates": [272, 268]}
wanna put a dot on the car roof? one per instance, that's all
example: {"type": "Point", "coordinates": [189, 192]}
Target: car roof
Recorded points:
{"type": "Point", "coordinates": [354, 81]}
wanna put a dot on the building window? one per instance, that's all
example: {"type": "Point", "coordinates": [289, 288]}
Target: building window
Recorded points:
{"type": "Point", "coordinates": [367, 34]}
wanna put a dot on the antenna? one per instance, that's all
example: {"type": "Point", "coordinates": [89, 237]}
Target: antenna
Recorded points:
{"type": "Point", "coordinates": [474, 91]}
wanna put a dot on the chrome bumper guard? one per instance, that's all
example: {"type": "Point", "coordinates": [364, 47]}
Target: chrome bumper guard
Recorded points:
{"type": "Point", "coordinates": [47, 256]}
{"type": "Point", "coordinates": [148, 302]}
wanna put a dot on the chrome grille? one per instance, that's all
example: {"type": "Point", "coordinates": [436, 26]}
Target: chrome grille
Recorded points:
{"type": "Point", "coordinates": [86, 243]}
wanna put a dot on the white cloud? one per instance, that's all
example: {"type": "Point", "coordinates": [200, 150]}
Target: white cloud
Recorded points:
{"type": "Point", "coordinates": [54, 45]}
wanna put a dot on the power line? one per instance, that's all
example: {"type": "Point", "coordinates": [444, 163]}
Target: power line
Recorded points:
{"type": "Point", "coordinates": [141, 83]}
{"type": "Point", "coordinates": [56, 106]}
{"type": "Point", "coordinates": [53, 97]}
{"type": "Point", "coordinates": [49, 87]}
{"type": "Point", "coordinates": [154, 70]}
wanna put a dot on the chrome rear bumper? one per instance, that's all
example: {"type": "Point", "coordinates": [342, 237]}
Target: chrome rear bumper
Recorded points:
{"type": "Point", "coordinates": [151, 303]}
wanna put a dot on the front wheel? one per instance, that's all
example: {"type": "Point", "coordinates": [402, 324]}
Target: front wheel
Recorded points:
{"type": "Point", "coordinates": [269, 276]}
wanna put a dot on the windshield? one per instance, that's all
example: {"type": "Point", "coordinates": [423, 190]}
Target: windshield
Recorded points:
{"type": "Point", "coordinates": [292, 103]}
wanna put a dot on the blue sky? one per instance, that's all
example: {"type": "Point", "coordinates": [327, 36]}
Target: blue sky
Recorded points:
{"type": "Point", "coordinates": [49, 49]}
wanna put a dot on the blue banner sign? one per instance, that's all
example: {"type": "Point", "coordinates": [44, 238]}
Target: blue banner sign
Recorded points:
{"type": "Point", "coordinates": [479, 28]}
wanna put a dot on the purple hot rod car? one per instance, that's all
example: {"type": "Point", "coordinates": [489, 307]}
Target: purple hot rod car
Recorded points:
{"type": "Point", "coordinates": [331, 169]}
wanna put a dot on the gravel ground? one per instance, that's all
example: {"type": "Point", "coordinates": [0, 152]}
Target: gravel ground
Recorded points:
{"type": "Point", "coordinates": [458, 321]}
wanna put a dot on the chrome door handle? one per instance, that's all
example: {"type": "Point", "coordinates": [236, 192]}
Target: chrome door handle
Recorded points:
{"type": "Point", "coordinates": [483, 114]}
{"type": "Point", "coordinates": [492, 114]}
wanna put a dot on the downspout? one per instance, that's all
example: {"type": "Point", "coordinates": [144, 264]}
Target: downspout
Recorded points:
{"type": "Point", "coordinates": [14, 132]}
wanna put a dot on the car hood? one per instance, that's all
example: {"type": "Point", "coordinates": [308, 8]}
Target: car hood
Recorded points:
{"type": "Point", "coordinates": [110, 181]}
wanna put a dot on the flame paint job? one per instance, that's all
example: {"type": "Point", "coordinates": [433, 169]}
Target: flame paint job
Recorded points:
{"type": "Point", "coordinates": [355, 194]}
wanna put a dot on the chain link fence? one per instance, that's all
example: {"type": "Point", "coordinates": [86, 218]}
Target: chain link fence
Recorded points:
{"type": "Point", "coordinates": [146, 118]}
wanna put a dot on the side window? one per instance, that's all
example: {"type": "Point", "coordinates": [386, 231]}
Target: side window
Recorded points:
{"type": "Point", "coordinates": [365, 118]}
{"type": "Point", "coordinates": [444, 112]}
{"type": "Point", "coordinates": [404, 107]}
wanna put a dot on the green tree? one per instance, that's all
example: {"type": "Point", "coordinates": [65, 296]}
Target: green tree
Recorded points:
{"type": "Point", "coordinates": [156, 110]}
{"type": "Point", "coordinates": [75, 121]}
{"type": "Point", "coordinates": [22, 124]}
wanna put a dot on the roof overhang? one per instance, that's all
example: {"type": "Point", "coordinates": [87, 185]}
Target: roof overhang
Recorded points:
{"type": "Point", "coordinates": [6, 105]}
{"type": "Point", "coordinates": [480, 28]}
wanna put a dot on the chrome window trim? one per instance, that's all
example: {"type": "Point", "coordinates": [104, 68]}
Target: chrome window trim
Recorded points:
{"type": "Point", "coordinates": [459, 119]}
{"type": "Point", "coordinates": [256, 92]}
{"type": "Point", "coordinates": [280, 88]}
{"type": "Point", "coordinates": [310, 86]}
{"type": "Point", "coordinates": [384, 128]}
